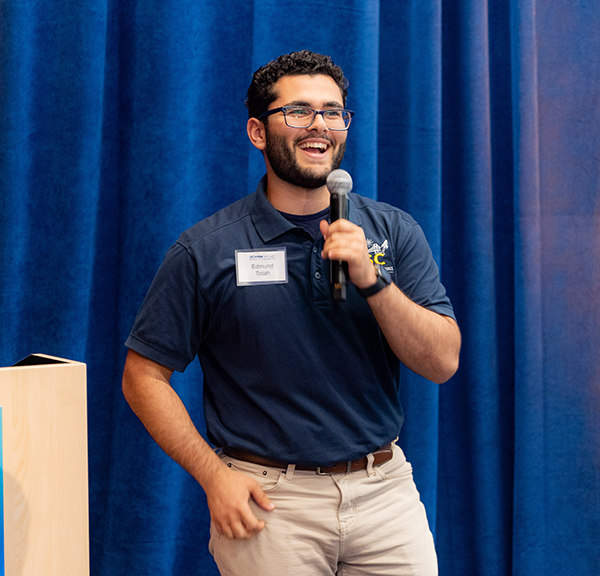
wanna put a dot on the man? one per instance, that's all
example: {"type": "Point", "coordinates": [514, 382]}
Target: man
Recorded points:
{"type": "Point", "coordinates": [301, 391]}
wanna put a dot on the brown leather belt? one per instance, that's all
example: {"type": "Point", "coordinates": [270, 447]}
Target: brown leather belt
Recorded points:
{"type": "Point", "coordinates": [381, 455]}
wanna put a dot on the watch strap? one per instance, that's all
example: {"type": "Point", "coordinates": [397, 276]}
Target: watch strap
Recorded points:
{"type": "Point", "coordinates": [383, 280]}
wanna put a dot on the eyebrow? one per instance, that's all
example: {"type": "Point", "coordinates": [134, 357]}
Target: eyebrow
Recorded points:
{"type": "Point", "coordinates": [332, 104]}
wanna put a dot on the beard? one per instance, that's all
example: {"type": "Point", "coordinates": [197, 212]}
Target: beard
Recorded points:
{"type": "Point", "coordinates": [284, 164]}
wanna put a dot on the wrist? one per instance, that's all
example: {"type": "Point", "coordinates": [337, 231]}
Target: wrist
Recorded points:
{"type": "Point", "coordinates": [368, 279]}
{"type": "Point", "coordinates": [382, 280]}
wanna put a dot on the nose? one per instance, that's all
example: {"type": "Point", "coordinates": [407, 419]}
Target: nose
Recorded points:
{"type": "Point", "coordinates": [318, 123]}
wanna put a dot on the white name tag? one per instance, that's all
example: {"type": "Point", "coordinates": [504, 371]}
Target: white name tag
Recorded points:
{"type": "Point", "coordinates": [268, 266]}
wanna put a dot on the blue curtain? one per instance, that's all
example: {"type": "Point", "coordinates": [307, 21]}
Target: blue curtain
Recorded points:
{"type": "Point", "coordinates": [122, 123]}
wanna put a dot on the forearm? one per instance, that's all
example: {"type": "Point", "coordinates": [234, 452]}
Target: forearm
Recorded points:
{"type": "Point", "coordinates": [147, 390]}
{"type": "Point", "coordinates": [424, 341]}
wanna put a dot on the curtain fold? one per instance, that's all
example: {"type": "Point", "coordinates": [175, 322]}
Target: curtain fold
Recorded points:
{"type": "Point", "coordinates": [529, 486]}
{"type": "Point", "coordinates": [472, 452]}
{"type": "Point", "coordinates": [123, 123]}
{"type": "Point", "coordinates": [409, 136]}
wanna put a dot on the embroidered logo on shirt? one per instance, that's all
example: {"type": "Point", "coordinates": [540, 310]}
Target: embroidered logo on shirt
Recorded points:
{"type": "Point", "coordinates": [377, 253]}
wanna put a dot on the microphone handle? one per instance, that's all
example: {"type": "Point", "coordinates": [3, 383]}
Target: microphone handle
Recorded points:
{"type": "Point", "coordinates": [338, 270]}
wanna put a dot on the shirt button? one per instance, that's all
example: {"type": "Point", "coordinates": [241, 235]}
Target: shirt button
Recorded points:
{"type": "Point", "coordinates": [314, 249]}
{"type": "Point", "coordinates": [317, 275]}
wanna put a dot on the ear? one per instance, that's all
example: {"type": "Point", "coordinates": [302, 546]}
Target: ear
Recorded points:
{"type": "Point", "coordinates": [257, 133]}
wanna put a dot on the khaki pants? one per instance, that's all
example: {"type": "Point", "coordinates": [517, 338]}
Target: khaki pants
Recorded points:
{"type": "Point", "coordinates": [368, 522]}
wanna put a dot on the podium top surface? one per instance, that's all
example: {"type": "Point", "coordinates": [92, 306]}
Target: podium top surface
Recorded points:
{"type": "Point", "coordinates": [41, 360]}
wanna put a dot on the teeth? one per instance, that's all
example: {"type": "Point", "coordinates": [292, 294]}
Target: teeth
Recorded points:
{"type": "Point", "coordinates": [318, 145]}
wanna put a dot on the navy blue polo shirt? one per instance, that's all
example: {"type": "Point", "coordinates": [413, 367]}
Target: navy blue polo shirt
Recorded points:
{"type": "Point", "coordinates": [289, 374]}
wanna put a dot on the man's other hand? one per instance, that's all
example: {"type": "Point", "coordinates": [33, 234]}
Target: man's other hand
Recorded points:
{"type": "Point", "coordinates": [228, 497]}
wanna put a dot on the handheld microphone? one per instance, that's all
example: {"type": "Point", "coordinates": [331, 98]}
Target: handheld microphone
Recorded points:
{"type": "Point", "coordinates": [339, 184]}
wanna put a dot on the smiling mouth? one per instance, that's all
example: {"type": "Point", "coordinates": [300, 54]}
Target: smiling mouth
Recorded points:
{"type": "Point", "coordinates": [317, 147]}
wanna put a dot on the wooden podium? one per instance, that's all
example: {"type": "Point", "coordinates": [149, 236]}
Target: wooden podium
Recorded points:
{"type": "Point", "coordinates": [43, 411]}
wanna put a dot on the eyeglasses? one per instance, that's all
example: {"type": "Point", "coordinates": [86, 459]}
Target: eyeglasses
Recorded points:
{"type": "Point", "coordinates": [303, 117]}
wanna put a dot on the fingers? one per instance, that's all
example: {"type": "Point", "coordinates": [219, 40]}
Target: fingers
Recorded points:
{"type": "Point", "coordinates": [262, 499]}
{"type": "Point", "coordinates": [228, 501]}
{"type": "Point", "coordinates": [343, 237]}
{"type": "Point", "coordinates": [242, 527]}
{"type": "Point", "coordinates": [346, 242]}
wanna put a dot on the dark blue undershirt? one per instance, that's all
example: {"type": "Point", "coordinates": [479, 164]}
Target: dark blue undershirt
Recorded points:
{"type": "Point", "coordinates": [309, 222]}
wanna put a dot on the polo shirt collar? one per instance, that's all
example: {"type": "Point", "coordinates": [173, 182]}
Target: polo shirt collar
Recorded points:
{"type": "Point", "coordinates": [270, 223]}
{"type": "Point", "coordinates": [353, 213]}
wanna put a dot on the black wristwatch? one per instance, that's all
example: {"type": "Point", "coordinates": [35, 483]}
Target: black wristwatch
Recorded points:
{"type": "Point", "coordinates": [383, 280]}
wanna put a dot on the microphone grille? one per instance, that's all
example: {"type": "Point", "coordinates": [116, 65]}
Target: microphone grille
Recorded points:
{"type": "Point", "coordinates": [339, 182]}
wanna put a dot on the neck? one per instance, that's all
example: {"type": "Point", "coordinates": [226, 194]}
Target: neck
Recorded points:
{"type": "Point", "coordinates": [295, 200]}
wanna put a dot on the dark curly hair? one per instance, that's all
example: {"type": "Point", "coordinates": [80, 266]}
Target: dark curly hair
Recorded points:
{"type": "Point", "coordinates": [261, 94]}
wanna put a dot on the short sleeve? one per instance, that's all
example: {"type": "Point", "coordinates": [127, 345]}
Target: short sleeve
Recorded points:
{"type": "Point", "coordinates": [167, 328]}
{"type": "Point", "coordinates": [417, 274]}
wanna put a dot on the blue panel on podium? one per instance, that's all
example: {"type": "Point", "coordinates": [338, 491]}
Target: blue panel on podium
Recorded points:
{"type": "Point", "coordinates": [1, 501]}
